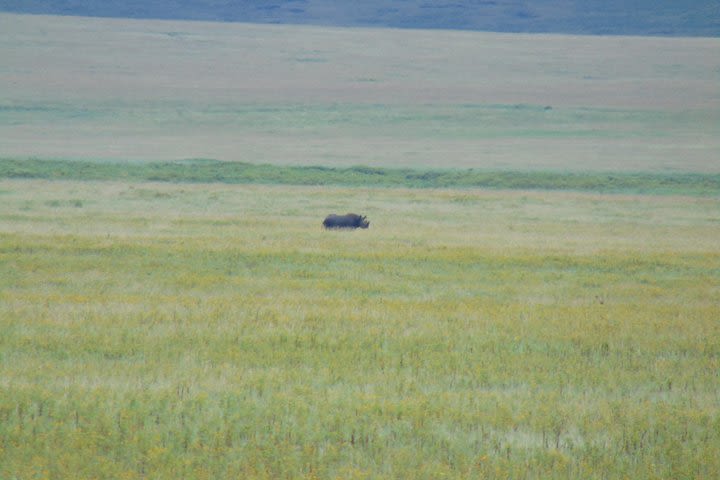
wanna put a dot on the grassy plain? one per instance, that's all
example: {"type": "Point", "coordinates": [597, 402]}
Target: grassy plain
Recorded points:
{"type": "Point", "coordinates": [157, 90]}
{"type": "Point", "coordinates": [204, 170]}
{"type": "Point", "coordinates": [156, 330]}
{"type": "Point", "coordinates": [214, 330]}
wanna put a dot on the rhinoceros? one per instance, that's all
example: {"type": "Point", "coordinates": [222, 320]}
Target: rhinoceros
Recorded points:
{"type": "Point", "coordinates": [349, 220]}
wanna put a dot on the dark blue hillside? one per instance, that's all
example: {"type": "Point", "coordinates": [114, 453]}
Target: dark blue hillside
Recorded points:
{"type": "Point", "coordinates": [595, 17]}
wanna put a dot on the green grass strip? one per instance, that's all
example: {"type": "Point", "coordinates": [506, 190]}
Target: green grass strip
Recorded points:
{"type": "Point", "coordinates": [213, 171]}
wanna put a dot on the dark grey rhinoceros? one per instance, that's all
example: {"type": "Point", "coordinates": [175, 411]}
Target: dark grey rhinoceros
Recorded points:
{"type": "Point", "coordinates": [349, 220]}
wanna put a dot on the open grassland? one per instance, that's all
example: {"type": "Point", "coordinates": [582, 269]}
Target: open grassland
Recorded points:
{"type": "Point", "coordinates": [155, 90]}
{"type": "Point", "coordinates": [156, 330]}
{"type": "Point", "coordinates": [168, 318]}
{"type": "Point", "coordinates": [214, 171]}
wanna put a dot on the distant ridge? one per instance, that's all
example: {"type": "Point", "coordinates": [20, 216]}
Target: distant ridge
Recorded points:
{"type": "Point", "coordinates": [588, 17]}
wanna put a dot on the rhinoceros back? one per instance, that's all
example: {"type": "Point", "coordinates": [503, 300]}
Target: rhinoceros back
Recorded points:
{"type": "Point", "coordinates": [349, 220]}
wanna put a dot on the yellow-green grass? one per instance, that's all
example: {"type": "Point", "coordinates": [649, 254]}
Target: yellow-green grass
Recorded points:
{"type": "Point", "coordinates": [216, 331]}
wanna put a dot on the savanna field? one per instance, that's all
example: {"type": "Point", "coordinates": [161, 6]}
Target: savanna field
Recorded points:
{"type": "Point", "coordinates": [537, 296]}
{"type": "Point", "coordinates": [213, 331]}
